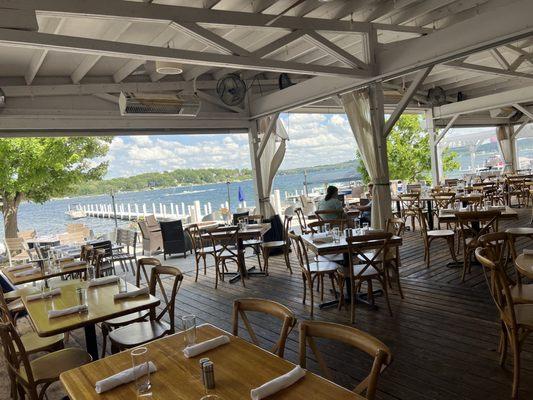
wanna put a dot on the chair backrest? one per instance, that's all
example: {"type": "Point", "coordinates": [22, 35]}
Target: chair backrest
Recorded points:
{"type": "Point", "coordinates": [17, 359]}
{"type": "Point", "coordinates": [382, 356]}
{"type": "Point", "coordinates": [97, 261]}
{"type": "Point", "coordinates": [277, 310]}
{"type": "Point", "coordinates": [145, 232]}
{"type": "Point", "coordinates": [151, 221]}
{"type": "Point", "coordinates": [142, 263]}
{"type": "Point", "coordinates": [301, 253]}
{"type": "Point", "coordinates": [396, 226]}
{"type": "Point", "coordinates": [5, 314]}
{"type": "Point", "coordinates": [237, 216]}
{"type": "Point", "coordinates": [477, 223]}
{"type": "Point", "coordinates": [128, 238]}
{"type": "Point", "coordinates": [451, 182]}
{"type": "Point", "coordinates": [414, 188]}
{"type": "Point", "coordinates": [159, 272]}
{"type": "Point", "coordinates": [498, 285]}
{"type": "Point", "coordinates": [15, 246]}
{"type": "Point", "coordinates": [497, 245]}
{"type": "Point", "coordinates": [287, 220]}
{"type": "Point", "coordinates": [326, 215]}
{"type": "Point", "coordinates": [367, 250]}
{"type": "Point", "coordinates": [29, 234]}
{"type": "Point", "coordinates": [225, 243]}
{"type": "Point", "coordinates": [86, 252]}
{"type": "Point", "coordinates": [443, 200]}
{"type": "Point", "coordinates": [409, 201]}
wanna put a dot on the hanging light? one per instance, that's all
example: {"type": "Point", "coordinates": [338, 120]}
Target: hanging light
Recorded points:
{"type": "Point", "coordinates": [168, 68]}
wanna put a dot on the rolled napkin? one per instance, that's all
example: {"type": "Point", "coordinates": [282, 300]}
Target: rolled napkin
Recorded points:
{"type": "Point", "coordinates": [66, 311]}
{"type": "Point", "coordinates": [277, 384]}
{"type": "Point", "coordinates": [133, 293]}
{"type": "Point", "coordinates": [18, 267]}
{"type": "Point", "coordinates": [27, 272]}
{"type": "Point", "coordinates": [44, 295]}
{"type": "Point", "coordinates": [502, 208]}
{"type": "Point", "coordinates": [195, 349]}
{"type": "Point", "coordinates": [126, 376]}
{"type": "Point", "coordinates": [73, 264]}
{"type": "Point", "coordinates": [103, 281]}
{"type": "Point", "coordinates": [528, 252]}
{"type": "Point", "coordinates": [323, 239]}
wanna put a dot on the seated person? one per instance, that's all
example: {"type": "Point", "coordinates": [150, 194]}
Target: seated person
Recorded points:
{"type": "Point", "coordinates": [331, 202]}
{"type": "Point", "coordinates": [366, 210]}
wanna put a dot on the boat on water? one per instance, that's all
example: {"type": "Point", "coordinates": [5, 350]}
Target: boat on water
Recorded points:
{"type": "Point", "coordinates": [75, 211]}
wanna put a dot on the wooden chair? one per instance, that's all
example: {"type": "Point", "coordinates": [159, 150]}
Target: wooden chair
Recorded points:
{"type": "Point", "coordinates": [366, 255]}
{"type": "Point", "coordinates": [516, 319]}
{"type": "Point", "coordinates": [410, 204]}
{"type": "Point", "coordinates": [396, 226]}
{"type": "Point", "coordinates": [201, 248]}
{"type": "Point", "coordinates": [430, 235]}
{"type": "Point", "coordinates": [26, 235]}
{"type": "Point", "coordinates": [224, 250]}
{"type": "Point", "coordinates": [312, 271]}
{"type": "Point", "coordinates": [101, 266]}
{"type": "Point", "coordinates": [301, 220]}
{"type": "Point", "coordinates": [111, 324]}
{"type": "Point", "coordinates": [138, 333]}
{"type": "Point", "coordinates": [126, 252]}
{"type": "Point", "coordinates": [269, 307]}
{"type": "Point", "coordinates": [284, 245]}
{"type": "Point", "coordinates": [517, 187]}
{"type": "Point", "coordinates": [326, 215]}
{"type": "Point", "coordinates": [472, 225]}
{"type": "Point", "coordinates": [443, 201]}
{"type": "Point", "coordinates": [382, 356]}
{"type": "Point", "coordinates": [32, 378]}
{"type": "Point", "coordinates": [255, 244]}
{"type": "Point", "coordinates": [17, 250]}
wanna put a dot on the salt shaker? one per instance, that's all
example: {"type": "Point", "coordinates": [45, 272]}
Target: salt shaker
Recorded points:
{"type": "Point", "coordinates": [202, 362]}
{"type": "Point", "coordinates": [208, 374]}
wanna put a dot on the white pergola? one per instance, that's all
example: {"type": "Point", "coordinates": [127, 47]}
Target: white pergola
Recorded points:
{"type": "Point", "coordinates": [64, 62]}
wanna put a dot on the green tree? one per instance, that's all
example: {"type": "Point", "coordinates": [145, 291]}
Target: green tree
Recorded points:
{"type": "Point", "coordinates": [409, 153]}
{"type": "Point", "coordinates": [38, 169]}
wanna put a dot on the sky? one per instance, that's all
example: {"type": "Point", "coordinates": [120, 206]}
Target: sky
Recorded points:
{"type": "Point", "coordinates": [314, 139]}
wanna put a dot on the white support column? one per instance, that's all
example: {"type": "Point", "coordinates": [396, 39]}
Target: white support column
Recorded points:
{"type": "Point", "coordinates": [253, 143]}
{"type": "Point", "coordinates": [433, 148]}
{"type": "Point", "coordinates": [514, 150]}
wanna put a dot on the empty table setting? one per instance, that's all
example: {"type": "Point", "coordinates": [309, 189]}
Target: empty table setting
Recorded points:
{"type": "Point", "coordinates": [26, 273]}
{"type": "Point", "coordinates": [241, 371]}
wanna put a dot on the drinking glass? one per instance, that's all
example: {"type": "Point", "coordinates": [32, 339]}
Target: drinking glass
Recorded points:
{"type": "Point", "coordinates": [189, 327]}
{"type": "Point", "coordinates": [365, 226]}
{"type": "Point", "coordinates": [327, 228]}
{"type": "Point", "coordinates": [140, 361]}
{"type": "Point", "coordinates": [122, 284]}
{"type": "Point", "coordinates": [82, 296]}
{"type": "Point", "coordinates": [90, 273]}
{"type": "Point", "coordinates": [336, 235]}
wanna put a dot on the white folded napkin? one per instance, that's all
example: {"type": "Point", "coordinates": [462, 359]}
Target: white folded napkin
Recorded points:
{"type": "Point", "coordinates": [133, 293]}
{"type": "Point", "coordinates": [126, 376]}
{"type": "Point", "coordinates": [528, 252]}
{"type": "Point", "coordinates": [195, 349]}
{"type": "Point", "coordinates": [103, 281]}
{"type": "Point", "coordinates": [27, 272]}
{"type": "Point", "coordinates": [66, 311]}
{"type": "Point", "coordinates": [37, 296]}
{"type": "Point", "coordinates": [503, 208]}
{"type": "Point", "coordinates": [18, 267]}
{"type": "Point", "coordinates": [277, 384]}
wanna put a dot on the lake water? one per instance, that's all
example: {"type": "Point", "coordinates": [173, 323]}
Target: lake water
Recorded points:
{"type": "Point", "coordinates": [50, 218]}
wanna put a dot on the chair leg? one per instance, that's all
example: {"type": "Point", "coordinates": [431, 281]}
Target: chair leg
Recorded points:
{"type": "Point", "coordinates": [305, 288]}
{"type": "Point", "coordinates": [428, 252]}
{"type": "Point", "coordinates": [205, 263]}
{"type": "Point", "coordinates": [321, 287]}
{"type": "Point", "coordinates": [504, 343]}
{"type": "Point", "coordinates": [465, 264]}
{"type": "Point", "coordinates": [105, 333]}
{"type": "Point", "coordinates": [266, 254]}
{"type": "Point", "coordinates": [386, 291]}
{"type": "Point", "coordinates": [352, 305]}
{"type": "Point", "coordinates": [516, 363]}
{"type": "Point", "coordinates": [287, 261]}
{"type": "Point", "coordinates": [197, 265]}
{"type": "Point", "coordinates": [257, 250]}
{"type": "Point", "coordinates": [451, 245]}
{"type": "Point", "coordinates": [332, 279]}
{"type": "Point", "coordinates": [217, 272]}
{"type": "Point", "coordinates": [312, 296]}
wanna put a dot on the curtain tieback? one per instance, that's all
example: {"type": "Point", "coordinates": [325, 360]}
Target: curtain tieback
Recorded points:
{"type": "Point", "coordinates": [264, 199]}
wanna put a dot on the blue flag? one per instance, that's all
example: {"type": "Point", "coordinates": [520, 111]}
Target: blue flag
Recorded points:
{"type": "Point", "coordinates": [241, 194]}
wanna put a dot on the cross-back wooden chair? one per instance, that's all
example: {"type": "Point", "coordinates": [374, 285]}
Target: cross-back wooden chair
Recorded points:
{"type": "Point", "coordinates": [362, 341]}
{"type": "Point", "coordinates": [224, 250]}
{"type": "Point", "coordinates": [264, 306]}
{"type": "Point", "coordinates": [284, 245]}
{"type": "Point", "coordinates": [443, 201]}
{"type": "Point", "coordinates": [114, 323]}
{"type": "Point", "coordinates": [517, 187]}
{"type": "Point", "coordinates": [396, 226]}
{"type": "Point", "coordinates": [201, 248]}
{"type": "Point", "coordinates": [366, 254]}
{"type": "Point", "coordinates": [430, 235]}
{"type": "Point", "coordinates": [472, 225]}
{"type": "Point", "coordinates": [32, 378]}
{"type": "Point", "coordinates": [516, 319]}
{"type": "Point", "coordinates": [315, 270]}
{"type": "Point", "coordinates": [301, 220]}
{"type": "Point", "coordinates": [138, 333]}
{"type": "Point", "coordinates": [126, 253]}
{"type": "Point", "coordinates": [26, 235]}
{"type": "Point", "coordinates": [409, 205]}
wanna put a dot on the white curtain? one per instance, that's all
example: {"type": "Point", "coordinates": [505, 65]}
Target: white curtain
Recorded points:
{"type": "Point", "coordinates": [506, 147]}
{"type": "Point", "coordinates": [271, 160]}
{"type": "Point", "coordinates": [365, 114]}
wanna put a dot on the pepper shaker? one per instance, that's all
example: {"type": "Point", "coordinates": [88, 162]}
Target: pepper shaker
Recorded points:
{"type": "Point", "coordinates": [209, 374]}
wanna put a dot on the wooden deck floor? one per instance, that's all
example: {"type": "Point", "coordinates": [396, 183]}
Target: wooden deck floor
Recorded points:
{"type": "Point", "coordinates": [443, 335]}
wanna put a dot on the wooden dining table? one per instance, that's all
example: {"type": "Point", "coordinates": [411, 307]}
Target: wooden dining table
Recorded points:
{"type": "Point", "coordinates": [341, 247]}
{"type": "Point", "coordinates": [239, 367]}
{"type": "Point", "coordinates": [66, 268]}
{"type": "Point", "coordinates": [101, 307]}
{"type": "Point", "coordinates": [250, 232]}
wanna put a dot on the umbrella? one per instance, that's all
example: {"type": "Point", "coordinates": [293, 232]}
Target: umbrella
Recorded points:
{"type": "Point", "coordinates": [241, 194]}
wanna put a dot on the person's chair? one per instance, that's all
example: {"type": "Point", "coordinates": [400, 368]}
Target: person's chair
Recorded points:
{"type": "Point", "coordinates": [284, 245]}
{"type": "Point", "coordinates": [32, 378]}
{"type": "Point", "coordinates": [264, 306]}
{"type": "Point", "coordinates": [126, 251]}
{"type": "Point", "coordinates": [430, 235]}
{"type": "Point", "coordinates": [312, 271]}
{"type": "Point", "coordinates": [301, 220]}
{"type": "Point", "coordinates": [111, 324]}
{"type": "Point", "coordinates": [410, 205]}
{"type": "Point", "coordinates": [366, 255]}
{"type": "Point", "coordinates": [138, 333]}
{"type": "Point", "coordinates": [443, 201]}
{"type": "Point", "coordinates": [516, 319]}
{"type": "Point", "coordinates": [362, 341]}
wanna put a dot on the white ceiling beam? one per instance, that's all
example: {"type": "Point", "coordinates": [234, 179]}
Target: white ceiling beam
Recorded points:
{"type": "Point", "coordinates": [108, 48]}
{"type": "Point", "coordinates": [217, 102]}
{"type": "Point", "coordinates": [495, 27]}
{"type": "Point", "coordinates": [489, 70]}
{"type": "Point", "coordinates": [114, 32]}
{"type": "Point", "coordinates": [277, 44]}
{"type": "Point", "coordinates": [500, 59]}
{"type": "Point", "coordinates": [53, 26]}
{"type": "Point", "coordinates": [18, 19]}
{"type": "Point", "coordinates": [445, 130]}
{"type": "Point", "coordinates": [107, 97]}
{"type": "Point", "coordinates": [524, 110]}
{"type": "Point", "coordinates": [485, 103]}
{"type": "Point", "coordinates": [333, 50]}
{"type": "Point", "coordinates": [522, 126]}
{"type": "Point", "coordinates": [406, 98]}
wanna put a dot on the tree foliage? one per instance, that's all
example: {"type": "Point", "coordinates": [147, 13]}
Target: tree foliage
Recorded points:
{"type": "Point", "coordinates": [409, 154]}
{"type": "Point", "coordinates": [38, 169]}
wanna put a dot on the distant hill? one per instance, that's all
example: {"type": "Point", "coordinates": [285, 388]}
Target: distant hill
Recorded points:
{"type": "Point", "coordinates": [326, 167]}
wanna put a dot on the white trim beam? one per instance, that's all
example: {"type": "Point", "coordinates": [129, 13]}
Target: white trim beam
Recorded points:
{"type": "Point", "coordinates": [522, 126]}
{"type": "Point", "coordinates": [500, 59]}
{"type": "Point", "coordinates": [277, 44]}
{"type": "Point", "coordinates": [217, 102]}
{"type": "Point", "coordinates": [333, 50]}
{"type": "Point", "coordinates": [406, 98]}
{"type": "Point", "coordinates": [441, 135]}
{"type": "Point", "coordinates": [489, 70]}
{"type": "Point", "coordinates": [69, 44]}
{"type": "Point", "coordinates": [524, 110]}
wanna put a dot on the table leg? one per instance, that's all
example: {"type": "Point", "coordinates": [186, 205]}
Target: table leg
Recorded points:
{"type": "Point", "coordinates": [430, 214]}
{"type": "Point", "coordinates": [243, 271]}
{"type": "Point", "coordinates": [90, 341]}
